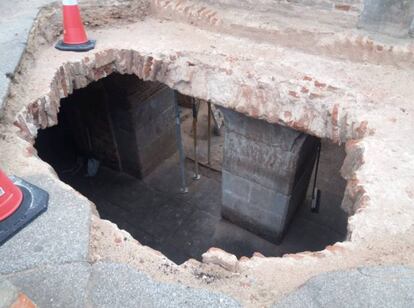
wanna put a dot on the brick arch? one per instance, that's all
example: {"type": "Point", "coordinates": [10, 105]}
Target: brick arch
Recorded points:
{"type": "Point", "coordinates": [300, 105]}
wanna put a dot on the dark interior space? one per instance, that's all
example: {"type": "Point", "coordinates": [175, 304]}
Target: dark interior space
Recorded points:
{"type": "Point", "coordinates": [115, 143]}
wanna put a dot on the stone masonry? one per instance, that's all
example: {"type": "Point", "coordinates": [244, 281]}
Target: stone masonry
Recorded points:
{"type": "Point", "coordinates": [266, 172]}
{"type": "Point", "coordinates": [143, 118]}
{"type": "Point", "coordinates": [122, 121]}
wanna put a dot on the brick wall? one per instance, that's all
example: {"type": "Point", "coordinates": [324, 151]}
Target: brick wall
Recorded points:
{"type": "Point", "coordinates": [338, 5]}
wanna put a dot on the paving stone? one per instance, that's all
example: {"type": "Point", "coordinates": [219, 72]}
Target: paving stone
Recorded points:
{"type": "Point", "coordinates": [364, 287]}
{"type": "Point", "coordinates": [59, 235]}
{"type": "Point", "coordinates": [16, 20]}
{"type": "Point", "coordinates": [8, 292]}
{"type": "Point", "coordinates": [116, 285]}
{"type": "Point", "coordinates": [55, 286]}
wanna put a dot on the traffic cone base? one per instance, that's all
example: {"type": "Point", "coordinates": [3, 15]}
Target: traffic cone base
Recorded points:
{"type": "Point", "coordinates": [90, 44]}
{"type": "Point", "coordinates": [74, 34]}
{"type": "Point", "coordinates": [34, 203]}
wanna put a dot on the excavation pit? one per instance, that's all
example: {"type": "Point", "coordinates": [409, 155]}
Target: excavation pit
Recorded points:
{"type": "Point", "coordinates": [100, 147]}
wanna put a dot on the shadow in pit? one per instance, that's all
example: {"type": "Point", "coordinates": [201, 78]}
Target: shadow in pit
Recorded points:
{"type": "Point", "coordinates": [148, 204]}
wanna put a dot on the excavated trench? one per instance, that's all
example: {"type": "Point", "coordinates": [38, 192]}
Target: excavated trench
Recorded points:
{"type": "Point", "coordinates": [115, 143]}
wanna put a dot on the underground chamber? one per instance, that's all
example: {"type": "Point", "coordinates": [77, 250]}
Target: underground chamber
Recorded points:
{"type": "Point", "coordinates": [116, 143]}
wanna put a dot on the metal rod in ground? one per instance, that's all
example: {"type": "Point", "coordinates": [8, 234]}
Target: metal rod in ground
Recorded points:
{"type": "Point", "coordinates": [315, 191]}
{"type": "Point", "coordinates": [195, 113]}
{"type": "Point", "coordinates": [184, 188]}
{"type": "Point", "coordinates": [209, 134]}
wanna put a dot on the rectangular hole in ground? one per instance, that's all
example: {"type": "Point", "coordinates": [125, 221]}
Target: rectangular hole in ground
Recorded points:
{"type": "Point", "coordinates": [127, 125]}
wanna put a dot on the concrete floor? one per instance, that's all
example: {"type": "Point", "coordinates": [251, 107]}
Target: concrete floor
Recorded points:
{"type": "Point", "coordinates": [185, 226]}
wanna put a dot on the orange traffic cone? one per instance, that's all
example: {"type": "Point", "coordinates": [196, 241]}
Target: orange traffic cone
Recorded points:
{"type": "Point", "coordinates": [20, 203]}
{"type": "Point", "coordinates": [74, 35]}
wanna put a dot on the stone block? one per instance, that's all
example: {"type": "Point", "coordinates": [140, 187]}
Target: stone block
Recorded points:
{"type": "Point", "coordinates": [142, 113]}
{"type": "Point", "coordinates": [154, 129]}
{"type": "Point", "coordinates": [266, 172]}
{"type": "Point", "coordinates": [150, 108]}
{"type": "Point", "coordinates": [281, 151]}
{"type": "Point", "coordinates": [259, 130]}
{"type": "Point", "coordinates": [393, 17]}
{"type": "Point", "coordinates": [241, 157]}
{"type": "Point", "coordinates": [253, 206]}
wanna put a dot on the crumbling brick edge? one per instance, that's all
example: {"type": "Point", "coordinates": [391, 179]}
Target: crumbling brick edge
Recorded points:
{"type": "Point", "coordinates": [179, 73]}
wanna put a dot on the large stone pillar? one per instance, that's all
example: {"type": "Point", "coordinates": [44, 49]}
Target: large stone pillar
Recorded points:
{"type": "Point", "coordinates": [266, 172]}
{"type": "Point", "coordinates": [144, 119]}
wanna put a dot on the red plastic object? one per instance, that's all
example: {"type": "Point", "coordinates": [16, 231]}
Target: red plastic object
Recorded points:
{"type": "Point", "coordinates": [74, 32]}
{"type": "Point", "coordinates": [10, 197]}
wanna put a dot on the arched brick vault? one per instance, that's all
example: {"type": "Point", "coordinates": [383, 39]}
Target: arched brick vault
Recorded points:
{"type": "Point", "coordinates": [301, 105]}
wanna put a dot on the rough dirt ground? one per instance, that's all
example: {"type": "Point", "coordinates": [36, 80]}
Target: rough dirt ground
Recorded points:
{"type": "Point", "coordinates": [351, 99]}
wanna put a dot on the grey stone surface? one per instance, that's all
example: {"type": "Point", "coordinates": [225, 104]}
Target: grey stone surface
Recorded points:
{"type": "Point", "coordinates": [155, 134]}
{"type": "Point", "coordinates": [266, 171]}
{"type": "Point", "coordinates": [116, 285]}
{"type": "Point", "coordinates": [8, 292]}
{"type": "Point", "coordinates": [55, 286]}
{"type": "Point", "coordinates": [393, 17]}
{"type": "Point", "coordinates": [59, 235]}
{"type": "Point", "coordinates": [261, 131]}
{"type": "Point", "coordinates": [104, 284]}
{"type": "Point", "coordinates": [261, 210]}
{"type": "Point", "coordinates": [388, 286]}
{"type": "Point", "coordinates": [267, 154]}
{"type": "Point", "coordinates": [16, 19]}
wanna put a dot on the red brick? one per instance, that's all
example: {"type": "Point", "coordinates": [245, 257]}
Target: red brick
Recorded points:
{"type": "Point", "coordinates": [23, 301]}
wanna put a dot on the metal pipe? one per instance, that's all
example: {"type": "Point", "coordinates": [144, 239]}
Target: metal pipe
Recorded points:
{"type": "Point", "coordinates": [184, 188]}
{"type": "Point", "coordinates": [195, 114]}
{"type": "Point", "coordinates": [316, 193]}
{"type": "Point", "coordinates": [209, 134]}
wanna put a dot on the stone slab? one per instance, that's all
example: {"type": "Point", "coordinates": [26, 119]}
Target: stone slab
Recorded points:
{"type": "Point", "coordinates": [261, 210]}
{"type": "Point", "coordinates": [59, 235]}
{"type": "Point", "coordinates": [394, 17]}
{"type": "Point", "coordinates": [116, 285]}
{"type": "Point", "coordinates": [258, 162]}
{"type": "Point", "coordinates": [267, 154]}
{"type": "Point", "coordinates": [55, 286]}
{"type": "Point", "coordinates": [151, 108]}
{"type": "Point", "coordinates": [388, 286]}
{"type": "Point", "coordinates": [260, 130]}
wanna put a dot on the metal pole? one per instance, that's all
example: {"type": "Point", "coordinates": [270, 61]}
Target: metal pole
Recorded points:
{"type": "Point", "coordinates": [195, 113]}
{"type": "Point", "coordinates": [209, 134]}
{"type": "Point", "coordinates": [316, 193]}
{"type": "Point", "coordinates": [184, 188]}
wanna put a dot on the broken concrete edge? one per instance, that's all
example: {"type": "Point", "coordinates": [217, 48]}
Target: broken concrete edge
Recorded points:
{"type": "Point", "coordinates": [362, 45]}
{"type": "Point", "coordinates": [110, 284]}
{"type": "Point", "coordinates": [380, 286]}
